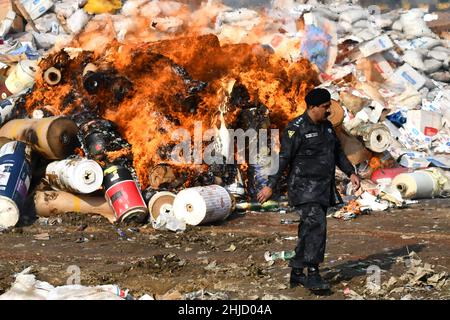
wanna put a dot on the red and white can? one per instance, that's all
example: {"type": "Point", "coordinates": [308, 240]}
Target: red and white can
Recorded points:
{"type": "Point", "coordinates": [123, 195]}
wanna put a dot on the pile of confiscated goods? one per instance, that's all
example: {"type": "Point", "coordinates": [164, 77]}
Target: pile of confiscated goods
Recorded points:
{"type": "Point", "coordinates": [388, 74]}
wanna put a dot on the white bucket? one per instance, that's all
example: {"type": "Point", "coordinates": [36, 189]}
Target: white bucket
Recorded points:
{"type": "Point", "coordinates": [75, 175]}
{"type": "Point", "coordinates": [202, 205]}
{"type": "Point", "coordinates": [417, 185]}
{"type": "Point", "coordinates": [22, 77]}
{"type": "Point", "coordinates": [9, 212]}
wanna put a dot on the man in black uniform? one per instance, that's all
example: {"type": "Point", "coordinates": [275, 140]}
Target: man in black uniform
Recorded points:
{"type": "Point", "coordinates": [311, 148]}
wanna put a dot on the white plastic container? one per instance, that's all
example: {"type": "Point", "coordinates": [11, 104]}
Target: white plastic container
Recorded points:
{"type": "Point", "coordinates": [22, 77]}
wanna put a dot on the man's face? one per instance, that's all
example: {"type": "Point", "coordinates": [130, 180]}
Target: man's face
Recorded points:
{"type": "Point", "coordinates": [324, 110]}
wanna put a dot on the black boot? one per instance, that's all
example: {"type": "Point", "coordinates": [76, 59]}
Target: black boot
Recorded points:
{"type": "Point", "coordinates": [315, 282]}
{"type": "Point", "coordinates": [297, 278]}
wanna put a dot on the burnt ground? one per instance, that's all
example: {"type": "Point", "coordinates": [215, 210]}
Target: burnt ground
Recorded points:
{"type": "Point", "coordinates": [160, 262]}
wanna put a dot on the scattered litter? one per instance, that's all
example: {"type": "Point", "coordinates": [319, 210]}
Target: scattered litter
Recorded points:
{"type": "Point", "coordinates": [282, 255]}
{"type": "Point", "coordinates": [82, 240]}
{"type": "Point", "coordinates": [42, 236]}
{"type": "Point", "coordinates": [232, 248]}
{"type": "Point", "coordinates": [26, 287]}
{"type": "Point", "coordinates": [288, 221]}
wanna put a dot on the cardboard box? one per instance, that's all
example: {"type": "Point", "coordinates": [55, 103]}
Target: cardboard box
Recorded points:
{"type": "Point", "coordinates": [375, 68]}
{"type": "Point", "coordinates": [426, 122]}
{"type": "Point", "coordinates": [36, 8]}
{"type": "Point", "coordinates": [379, 44]}
{"type": "Point", "coordinates": [407, 74]}
{"type": "Point", "coordinates": [414, 160]}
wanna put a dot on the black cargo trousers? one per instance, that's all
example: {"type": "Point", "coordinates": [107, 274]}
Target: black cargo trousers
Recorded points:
{"type": "Point", "coordinates": [312, 236]}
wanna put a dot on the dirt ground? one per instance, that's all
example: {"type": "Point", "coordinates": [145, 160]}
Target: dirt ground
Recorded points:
{"type": "Point", "coordinates": [227, 259]}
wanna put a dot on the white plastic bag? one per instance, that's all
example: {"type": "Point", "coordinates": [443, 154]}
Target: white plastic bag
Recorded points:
{"type": "Point", "coordinates": [362, 24]}
{"type": "Point", "coordinates": [438, 55]}
{"type": "Point", "coordinates": [77, 21]}
{"type": "Point", "coordinates": [79, 292]}
{"type": "Point", "coordinates": [167, 24]}
{"type": "Point", "coordinates": [414, 24]}
{"type": "Point", "coordinates": [44, 40]}
{"type": "Point", "coordinates": [351, 16]}
{"type": "Point", "coordinates": [150, 10]}
{"type": "Point", "coordinates": [169, 8]}
{"type": "Point", "coordinates": [46, 23]}
{"type": "Point", "coordinates": [432, 65]}
{"type": "Point", "coordinates": [328, 14]}
{"type": "Point", "coordinates": [443, 76]}
{"type": "Point", "coordinates": [414, 58]}
{"type": "Point", "coordinates": [26, 287]}
{"type": "Point", "coordinates": [66, 8]}
{"type": "Point", "coordinates": [131, 8]}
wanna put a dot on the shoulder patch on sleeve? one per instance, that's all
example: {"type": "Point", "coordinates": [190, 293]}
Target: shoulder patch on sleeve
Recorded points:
{"type": "Point", "coordinates": [297, 122]}
{"type": "Point", "coordinates": [291, 133]}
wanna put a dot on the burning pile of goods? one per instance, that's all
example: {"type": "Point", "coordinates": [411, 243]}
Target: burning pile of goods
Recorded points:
{"type": "Point", "coordinates": [102, 100]}
{"type": "Point", "coordinates": [109, 119]}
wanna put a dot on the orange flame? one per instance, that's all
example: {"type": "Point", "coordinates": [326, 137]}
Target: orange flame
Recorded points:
{"type": "Point", "coordinates": [151, 111]}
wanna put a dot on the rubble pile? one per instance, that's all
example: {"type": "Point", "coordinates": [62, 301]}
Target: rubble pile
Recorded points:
{"type": "Point", "coordinates": [418, 278]}
{"type": "Point", "coordinates": [101, 98]}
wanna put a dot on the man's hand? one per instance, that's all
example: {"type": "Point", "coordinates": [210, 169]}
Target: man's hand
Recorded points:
{"type": "Point", "coordinates": [355, 181]}
{"type": "Point", "coordinates": [264, 194]}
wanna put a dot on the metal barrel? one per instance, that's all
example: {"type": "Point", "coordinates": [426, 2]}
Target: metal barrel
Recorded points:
{"type": "Point", "coordinates": [6, 109]}
{"type": "Point", "coordinates": [96, 145]}
{"type": "Point", "coordinates": [123, 195]}
{"type": "Point", "coordinates": [49, 203]}
{"type": "Point", "coordinates": [77, 175]}
{"type": "Point", "coordinates": [15, 179]}
{"type": "Point", "coordinates": [53, 137]}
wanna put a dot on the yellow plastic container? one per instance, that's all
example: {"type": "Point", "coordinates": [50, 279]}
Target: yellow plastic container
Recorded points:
{"type": "Point", "coordinates": [102, 6]}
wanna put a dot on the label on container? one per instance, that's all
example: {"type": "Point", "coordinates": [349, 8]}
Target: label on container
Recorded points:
{"type": "Point", "coordinates": [5, 173]}
{"type": "Point", "coordinates": [125, 196]}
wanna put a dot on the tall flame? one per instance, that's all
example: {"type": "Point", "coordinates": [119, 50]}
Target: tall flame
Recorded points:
{"type": "Point", "coordinates": [155, 86]}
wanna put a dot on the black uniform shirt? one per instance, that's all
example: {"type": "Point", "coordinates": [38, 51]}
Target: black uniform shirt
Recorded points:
{"type": "Point", "coordinates": [312, 152]}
